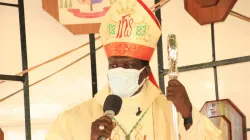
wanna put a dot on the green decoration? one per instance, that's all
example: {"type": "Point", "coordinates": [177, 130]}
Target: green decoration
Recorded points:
{"type": "Point", "coordinates": [141, 30]}
{"type": "Point", "coordinates": [133, 128]}
{"type": "Point", "coordinates": [111, 29]}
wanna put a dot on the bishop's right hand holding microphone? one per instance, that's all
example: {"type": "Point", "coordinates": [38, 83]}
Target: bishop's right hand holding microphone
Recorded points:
{"type": "Point", "coordinates": [101, 129]}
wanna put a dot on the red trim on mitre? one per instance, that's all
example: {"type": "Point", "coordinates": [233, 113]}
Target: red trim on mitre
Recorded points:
{"type": "Point", "coordinates": [152, 79]}
{"type": "Point", "coordinates": [129, 49]}
{"type": "Point", "coordinates": [151, 76]}
{"type": "Point", "coordinates": [149, 12]}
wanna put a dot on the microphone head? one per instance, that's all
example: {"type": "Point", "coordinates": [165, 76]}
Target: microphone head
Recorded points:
{"type": "Point", "coordinates": [114, 103]}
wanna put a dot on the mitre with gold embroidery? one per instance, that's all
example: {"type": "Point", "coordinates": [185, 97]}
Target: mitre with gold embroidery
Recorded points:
{"type": "Point", "coordinates": [130, 29]}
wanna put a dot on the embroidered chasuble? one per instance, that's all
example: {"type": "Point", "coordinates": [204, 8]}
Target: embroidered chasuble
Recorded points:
{"type": "Point", "coordinates": [127, 117]}
{"type": "Point", "coordinates": [75, 124]}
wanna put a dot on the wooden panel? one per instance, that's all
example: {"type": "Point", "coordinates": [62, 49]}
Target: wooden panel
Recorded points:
{"type": "Point", "coordinates": [227, 108]}
{"type": "Point", "coordinates": [207, 3]}
{"type": "Point", "coordinates": [210, 14]}
{"type": "Point", "coordinates": [1, 134]}
{"type": "Point", "coordinates": [51, 6]}
{"type": "Point", "coordinates": [83, 29]}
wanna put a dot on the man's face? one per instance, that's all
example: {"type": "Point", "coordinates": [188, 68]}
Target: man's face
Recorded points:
{"type": "Point", "coordinates": [129, 63]}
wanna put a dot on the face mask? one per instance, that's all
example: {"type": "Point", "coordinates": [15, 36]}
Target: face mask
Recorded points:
{"type": "Point", "coordinates": [124, 82]}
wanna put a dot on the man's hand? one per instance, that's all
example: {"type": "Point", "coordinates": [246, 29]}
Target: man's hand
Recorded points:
{"type": "Point", "coordinates": [177, 93]}
{"type": "Point", "coordinates": [96, 132]}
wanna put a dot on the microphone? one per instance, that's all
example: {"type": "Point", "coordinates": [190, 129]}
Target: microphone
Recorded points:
{"type": "Point", "coordinates": [111, 108]}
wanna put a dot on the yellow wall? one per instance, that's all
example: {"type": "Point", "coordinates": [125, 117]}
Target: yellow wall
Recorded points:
{"type": "Point", "coordinates": [46, 38]}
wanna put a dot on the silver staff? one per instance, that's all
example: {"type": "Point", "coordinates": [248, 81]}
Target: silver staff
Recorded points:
{"type": "Point", "coordinates": [173, 74]}
{"type": "Point", "coordinates": [172, 57]}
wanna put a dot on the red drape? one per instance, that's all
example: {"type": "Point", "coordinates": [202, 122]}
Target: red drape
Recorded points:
{"type": "Point", "coordinates": [152, 79]}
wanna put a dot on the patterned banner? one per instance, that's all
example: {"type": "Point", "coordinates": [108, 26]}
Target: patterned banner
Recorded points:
{"type": "Point", "coordinates": [80, 16]}
{"type": "Point", "coordinates": [79, 11]}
